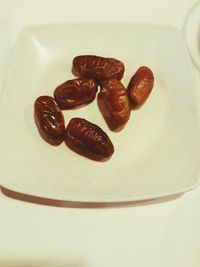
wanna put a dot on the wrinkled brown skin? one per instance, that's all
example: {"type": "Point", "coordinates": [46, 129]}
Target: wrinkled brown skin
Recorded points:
{"type": "Point", "coordinates": [114, 104]}
{"type": "Point", "coordinates": [97, 68]}
{"type": "Point", "coordinates": [75, 93]}
{"type": "Point", "coordinates": [49, 120]}
{"type": "Point", "coordinates": [88, 140]}
{"type": "Point", "coordinates": [140, 87]}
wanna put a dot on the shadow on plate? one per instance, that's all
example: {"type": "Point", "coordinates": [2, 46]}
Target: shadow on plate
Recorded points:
{"type": "Point", "coordinates": [76, 204]}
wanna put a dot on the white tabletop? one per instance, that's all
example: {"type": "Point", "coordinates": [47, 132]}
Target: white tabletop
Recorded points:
{"type": "Point", "coordinates": [156, 233]}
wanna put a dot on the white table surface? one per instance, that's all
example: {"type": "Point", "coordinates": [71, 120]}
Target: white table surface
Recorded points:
{"type": "Point", "coordinates": [157, 233]}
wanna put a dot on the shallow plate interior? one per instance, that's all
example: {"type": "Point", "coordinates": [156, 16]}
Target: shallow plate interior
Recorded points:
{"type": "Point", "coordinates": [156, 154]}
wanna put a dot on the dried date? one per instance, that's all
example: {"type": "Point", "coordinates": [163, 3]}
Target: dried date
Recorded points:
{"type": "Point", "coordinates": [140, 87]}
{"type": "Point", "coordinates": [74, 93]}
{"type": "Point", "coordinates": [88, 139]}
{"type": "Point", "coordinates": [49, 120]}
{"type": "Point", "coordinates": [114, 104]}
{"type": "Point", "coordinates": [97, 68]}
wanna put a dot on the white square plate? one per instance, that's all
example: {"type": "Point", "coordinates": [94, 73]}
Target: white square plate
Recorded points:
{"type": "Point", "coordinates": [157, 153]}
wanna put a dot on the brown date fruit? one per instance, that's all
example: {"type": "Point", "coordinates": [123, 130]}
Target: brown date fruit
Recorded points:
{"type": "Point", "coordinates": [49, 120]}
{"type": "Point", "coordinates": [74, 93]}
{"type": "Point", "coordinates": [88, 139]}
{"type": "Point", "coordinates": [98, 68]}
{"type": "Point", "coordinates": [114, 104]}
{"type": "Point", "coordinates": [140, 87]}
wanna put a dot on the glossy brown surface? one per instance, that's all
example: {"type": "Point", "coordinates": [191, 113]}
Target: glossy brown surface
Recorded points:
{"type": "Point", "coordinates": [88, 139]}
{"type": "Point", "coordinates": [49, 120]}
{"type": "Point", "coordinates": [74, 93]}
{"type": "Point", "coordinates": [98, 68]}
{"type": "Point", "coordinates": [140, 87]}
{"type": "Point", "coordinates": [114, 104]}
